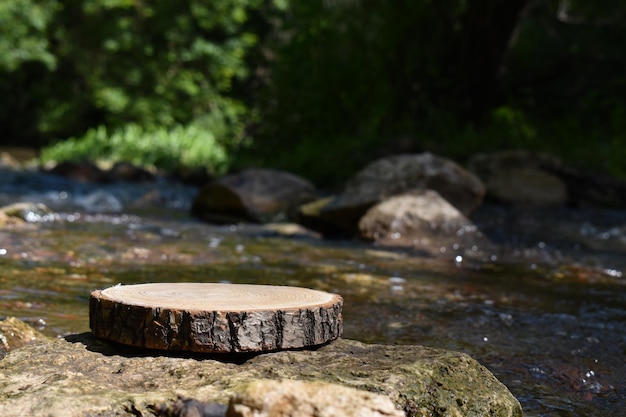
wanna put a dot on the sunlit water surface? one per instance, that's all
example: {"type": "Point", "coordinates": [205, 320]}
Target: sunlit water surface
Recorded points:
{"type": "Point", "coordinates": [547, 315]}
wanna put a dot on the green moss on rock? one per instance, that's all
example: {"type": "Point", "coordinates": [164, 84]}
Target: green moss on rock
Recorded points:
{"type": "Point", "coordinates": [82, 375]}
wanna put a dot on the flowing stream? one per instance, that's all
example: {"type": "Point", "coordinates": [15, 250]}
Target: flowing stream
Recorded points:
{"type": "Point", "coordinates": [546, 314]}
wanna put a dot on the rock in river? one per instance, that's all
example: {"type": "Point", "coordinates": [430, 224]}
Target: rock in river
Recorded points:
{"type": "Point", "coordinates": [255, 194]}
{"type": "Point", "coordinates": [81, 375]}
{"type": "Point", "coordinates": [521, 178]}
{"type": "Point", "coordinates": [423, 220]}
{"type": "Point", "coordinates": [399, 174]}
{"type": "Point", "coordinates": [412, 215]}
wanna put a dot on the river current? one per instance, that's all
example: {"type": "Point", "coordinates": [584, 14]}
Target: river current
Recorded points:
{"type": "Point", "coordinates": [545, 312]}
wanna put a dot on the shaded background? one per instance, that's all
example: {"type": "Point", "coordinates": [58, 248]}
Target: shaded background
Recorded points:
{"type": "Point", "coordinates": [291, 84]}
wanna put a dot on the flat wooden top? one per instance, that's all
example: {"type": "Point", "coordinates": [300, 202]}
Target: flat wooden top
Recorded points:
{"type": "Point", "coordinates": [218, 297]}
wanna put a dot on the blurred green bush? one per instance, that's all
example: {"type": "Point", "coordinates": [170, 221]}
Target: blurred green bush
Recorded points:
{"type": "Point", "coordinates": [318, 87]}
{"type": "Point", "coordinates": [113, 72]}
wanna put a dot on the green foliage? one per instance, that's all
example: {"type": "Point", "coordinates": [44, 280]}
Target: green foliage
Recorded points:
{"type": "Point", "coordinates": [23, 24]}
{"type": "Point", "coordinates": [505, 128]}
{"type": "Point", "coordinates": [189, 146]}
{"type": "Point", "coordinates": [351, 75]}
{"type": "Point", "coordinates": [341, 65]}
{"type": "Point", "coordinates": [323, 86]}
{"type": "Point", "coordinates": [154, 65]}
{"type": "Point", "coordinates": [350, 78]}
{"type": "Point", "coordinates": [118, 63]}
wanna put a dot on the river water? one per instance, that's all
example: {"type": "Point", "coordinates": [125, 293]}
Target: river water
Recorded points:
{"type": "Point", "coordinates": [545, 312]}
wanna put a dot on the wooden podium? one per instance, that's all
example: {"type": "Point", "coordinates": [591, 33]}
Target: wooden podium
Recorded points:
{"type": "Point", "coordinates": [216, 318]}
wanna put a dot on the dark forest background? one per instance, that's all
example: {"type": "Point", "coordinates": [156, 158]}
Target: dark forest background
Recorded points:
{"type": "Point", "coordinates": [318, 87]}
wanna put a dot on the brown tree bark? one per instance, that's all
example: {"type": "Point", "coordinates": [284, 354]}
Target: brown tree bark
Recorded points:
{"type": "Point", "coordinates": [218, 318]}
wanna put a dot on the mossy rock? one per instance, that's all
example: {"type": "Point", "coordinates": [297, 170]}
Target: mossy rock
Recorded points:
{"type": "Point", "coordinates": [82, 375]}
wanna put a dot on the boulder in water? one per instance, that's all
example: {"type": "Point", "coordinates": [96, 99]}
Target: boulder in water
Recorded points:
{"type": "Point", "coordinates": [423, 220]}
{"type": "Point", "coordinates": [521, 178]}
{"type": "Point", "coordinates": [255, 194]}
{"type": "Point", "coordinates": [82, 375]}
{"type": "Point", "coordinates": [399, 174]}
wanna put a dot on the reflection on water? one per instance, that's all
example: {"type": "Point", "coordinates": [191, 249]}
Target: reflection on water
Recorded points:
{"type": "Point", "coordinates": [548, 319]}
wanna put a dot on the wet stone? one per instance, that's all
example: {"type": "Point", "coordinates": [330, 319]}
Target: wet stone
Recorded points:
{"type": "Point", "coordinates": [82, 375]}
{"type": "Point", "coordinates": [15, 334]}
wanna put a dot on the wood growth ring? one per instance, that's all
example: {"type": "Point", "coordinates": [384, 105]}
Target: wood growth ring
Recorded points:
{"type": "Point", "coordinates": [208, 317]}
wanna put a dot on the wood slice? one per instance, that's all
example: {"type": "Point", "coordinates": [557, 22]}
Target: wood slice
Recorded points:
{"type": "Point", "coordinates": [207, 317]}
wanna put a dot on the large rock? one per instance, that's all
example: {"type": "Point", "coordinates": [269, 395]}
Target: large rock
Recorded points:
{"type": "Point", "coordinates": [423, 220]}
{"type": "Point", "coordinates": [521, 178]}
{"type": "Point", "coordinates": [527, 186]}
{"type": "Point", "coordinates": [81, 375]}
{"type": "Point", "coordinates": [258, 195]}
{"type": "Point", "coordinates": [415, 213]}
{"type": "Point", "coordinates": [532, 179]}
{"type": "Point", "coordinates": [399, 174]}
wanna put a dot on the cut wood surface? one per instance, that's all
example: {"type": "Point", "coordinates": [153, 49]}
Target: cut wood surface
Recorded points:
{"type": "Point", "coordinates": [208, 317]}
